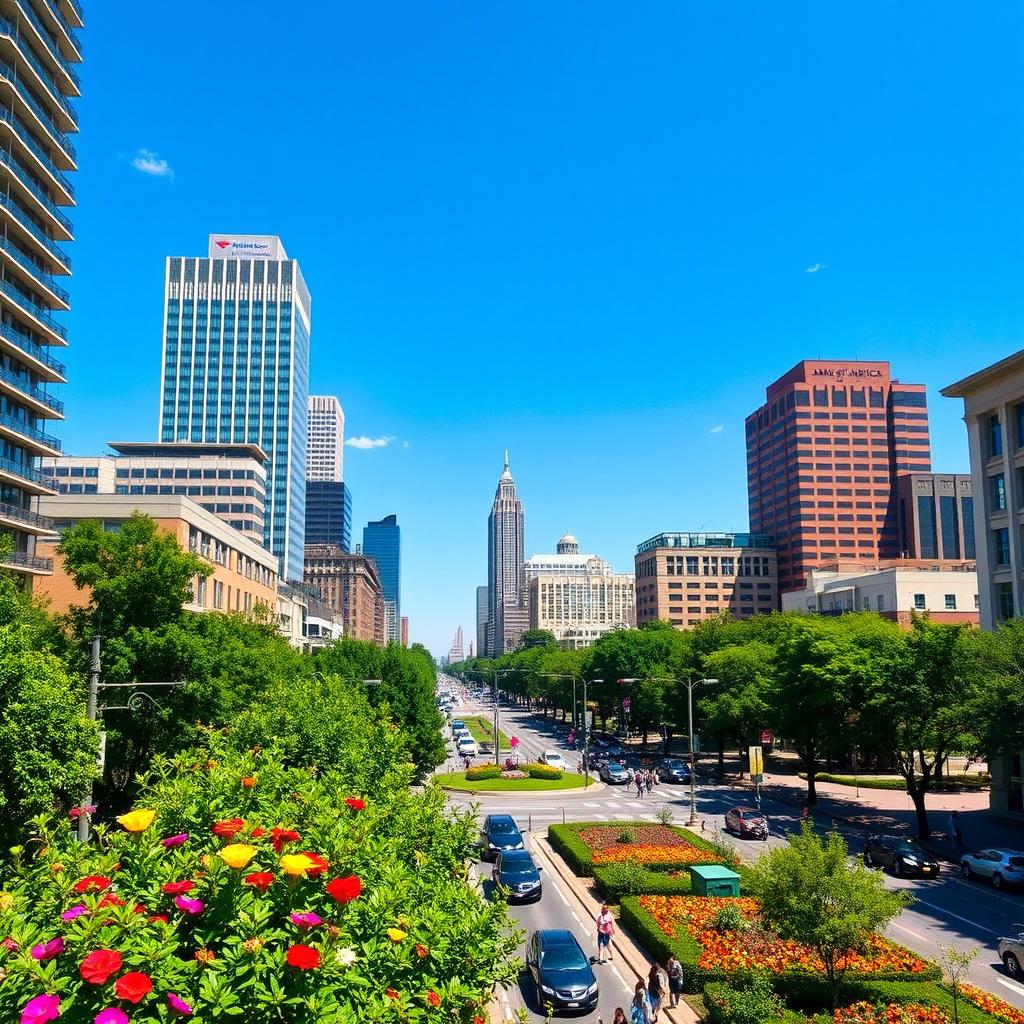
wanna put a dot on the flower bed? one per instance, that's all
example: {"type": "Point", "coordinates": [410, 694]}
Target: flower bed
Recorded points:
{"type": "Point", "coordinates": [891, 1013]}
{"type": "Point", "coordinates": [991, 1004]}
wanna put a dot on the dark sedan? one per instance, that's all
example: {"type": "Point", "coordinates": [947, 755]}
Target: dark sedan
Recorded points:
{"type": "Point", "coordinates": [614, 774]}
{"type": "Point", "coordinates": [500, 833]}
{"type": "Point", "coordinates": [673, 770]}
{"type": "Point", "coordinates": [561, 971]}
{"type": "Point", "coordinates": [901, 856]}
{"type": "Point", "coordinates": [516, 873]}
{"type": "Point", "coordinates": [747, 823]}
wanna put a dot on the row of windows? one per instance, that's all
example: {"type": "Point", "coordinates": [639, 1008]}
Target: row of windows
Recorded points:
{"type": "Point", "coordinates": [182, 474]}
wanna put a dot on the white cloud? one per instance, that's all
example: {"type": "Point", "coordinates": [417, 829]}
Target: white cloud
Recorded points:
{"type": "Point", "coordinates": [814, 268]}
{"type": "Point", "coordinates": [149, 162]}
{"type": "Point", "coordinates": [368, 442]}
{"type": "Point", "coordinates": [717, 429]}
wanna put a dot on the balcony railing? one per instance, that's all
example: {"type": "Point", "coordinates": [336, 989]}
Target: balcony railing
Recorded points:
{"type": "Point", "coordinates": [41, 275]}
{"type": "Point", "coordinates": [26, 137]}
{"type": "Point", "coordinates": [33, 229]}
{"type": "Point", "coordinates": [25, 386]}
{"type": "Point", "coordinates": [26, 516]}
{"type": "Point", "coordinates": [7, 73]}
{"type": "Point", "coordinates": [28, 473]}
{"type": "Point", "coordinates": [77, 8]}
{"type": "Point", "coordinates": [49, 41]}
{"type": "Point", "coordinates": [25, 178]}
{"type": "Point", "coordinates": [25, 51]}
{"type": "Point", "coordinates": [40, 314]}
{"type": "Point", "coordinates": [27, 344]}
{"type": "Point", "coordinates": [76, 40]}
{"type": "Point", "coordinates": [27, 430]}
{"type": "Point", "coordinates": [23, 560]}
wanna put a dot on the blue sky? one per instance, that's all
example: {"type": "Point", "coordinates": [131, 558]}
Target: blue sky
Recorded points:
{"type": "Point", "coordinates": [581, 231]}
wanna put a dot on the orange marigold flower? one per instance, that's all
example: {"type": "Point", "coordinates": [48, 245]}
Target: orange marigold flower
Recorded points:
{"type": "Point", "coordinates": [205, 956]}
{"type": "Point", "coordinates": [433, 998]}
{"type": "Point", "coordinates": [421, 950]}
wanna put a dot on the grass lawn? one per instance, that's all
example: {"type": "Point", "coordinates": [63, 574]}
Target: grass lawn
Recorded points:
{"type": "Point", "coordinates": [482, 730]}
{"type": "Point", "coordinates": [457, 780]}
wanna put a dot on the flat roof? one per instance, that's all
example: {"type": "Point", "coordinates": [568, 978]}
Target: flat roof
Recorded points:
{"type": "Point", "coordinates": [975, 380]}
{"type": "Point", "coordinates": [189, 449]}
{"type": "Point", "coordinates": [706, 540]}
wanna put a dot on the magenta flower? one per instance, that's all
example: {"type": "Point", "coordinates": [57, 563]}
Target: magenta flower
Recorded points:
{"type": "Point", "coordinates": [76, 911]}
{"type": "Point", "coordinates": [40, 1010]}
{"type": "Point", "coordinates": [48, 950]}
{"type": "Point", "coordinates": [305, 921]}
{"type": "Point", "coordinates": [9, 944]}
{"type": "Point", "coordinates": [178, 840]}
{"type": "Point", "coordinates": [178, 1005]}
{"type": "Point", "coordinates": [76, 812]}
{"type": "Point", "coordinates": [111, 1015]}
{"type": "Point", "coordinates": [190, 906]}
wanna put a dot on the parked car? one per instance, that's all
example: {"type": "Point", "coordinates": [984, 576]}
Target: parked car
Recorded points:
{"type": "Point", "coordinates": [561, 971]}
{"type": "Point", "coordinates": [457, 723]}
{"type": "Point", "coordinates": [615, 749]}
{"type": "Point", "coordinates": [553, 759]}
{"type": "Point", "coordinates": [673, 770]}
{"type": "Point", "coordinates": [614, 773]}
{"type": "Point", "coordinates": [515, 871]}
{"type": "Point", "coordinates": [1003, 867]}
{"type": "Point", "coordinates": [901, 856]}
{"type": "Point", "coordinates": [1011, 952]}
{"type": "Point", "coordinates": [500, 833]}
{"type": "Point", "coordinates": [467, 746]}
{"type": "Point", "coordinates": [746, 822]}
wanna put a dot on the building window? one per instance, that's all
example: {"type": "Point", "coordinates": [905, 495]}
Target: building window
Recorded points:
{"type": "Point", "coordinates": [995, 437]}
{"type": "Point", "coordinates": [880, 601]}
{"type": "Point", "coordinates": [1020, 425]}
{"type": "Point", "coordinates": [951, 602]}
{"type": "Point", "coordinates": [967, 517]}
{"type": "Point", "coordinates": [1001, 546]}
{"type": "Point", "coordinates": [997, 490]}
{"type": "Point", "coordinates": [1004, 600]}
{"type": "Point", "coordinates": [919, 602]}
{"type": "Point", "coordinates": [926, 527]}
{"type": "Point", "coordinates": [947, 519]}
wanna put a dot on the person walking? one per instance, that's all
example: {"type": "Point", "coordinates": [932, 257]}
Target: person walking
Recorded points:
{"type": "Point", "coordinates": [639, 780]}
{"type": "Point", "coordinates": [605, 931]}
{"type": "Point", "coordinates": [674, 970]}
{"type": "Point", "coordinates": [655, 991]}
{"type": "Point", "coordinates": [956, 837]}
{"type": "Point", "coordinates": [640, 1007]}
{"type": "Point", "coordinates": [620, 1016]}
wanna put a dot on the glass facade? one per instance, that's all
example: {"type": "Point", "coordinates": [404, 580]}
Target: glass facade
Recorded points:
{"type": "Point", "coordinates": [329, 513]}
{"type": "Point", "coordinates": [950, 534]}
{"type": "Point", "coordinates": [926, 522]}
{"type": "Point", "coordinates": [236, 369]}
{"type": "Point", "coordinates": [967, 512]}
{"type": "Point", "coordinates": [382, 540]}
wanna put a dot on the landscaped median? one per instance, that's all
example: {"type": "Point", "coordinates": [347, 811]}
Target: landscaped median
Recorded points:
{"type": "Point", "coordinates": [527, 778]}
{"type": "Point", "coordinates": [946, 784]}
{"type": "Point", "coordinates": [483, 732]}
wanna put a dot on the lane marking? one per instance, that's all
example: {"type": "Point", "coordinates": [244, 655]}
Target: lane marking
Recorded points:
{"type": "Point", "coordinates": [591, 805]}
{"type": "Point", "coordinates": [601, 817]}
{"type": "Point", "coordinates": [615, 971]}
{"type": "Point", "coordinates": [910, 931]}
{"type": "Point", "coordinates": [1010, 984]}
{"type": "Point", "coordinates": [949, 913]}
{"type": "Point", "coordinates": [622, 817]}
{"type": "Point", "coordinates": [576, 918]}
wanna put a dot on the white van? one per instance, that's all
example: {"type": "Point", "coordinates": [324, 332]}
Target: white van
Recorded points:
{"type": "Point", "coordinates": [467, 746]}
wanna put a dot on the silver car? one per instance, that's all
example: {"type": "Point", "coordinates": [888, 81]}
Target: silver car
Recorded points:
{"type": "Point", "coordinates": [1003, 867]}
{"type": "Point", "coordinates": [1011, 952]}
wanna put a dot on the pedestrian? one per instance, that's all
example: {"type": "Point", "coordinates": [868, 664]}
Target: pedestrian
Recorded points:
{"type": "Point", "coordinates": [956, 837]}
{"type": "Point", "coordinates": [675, 978]}
{"type": "Point", "coordinates": [639, 780]}
{"type": "Point", "coordinates": [640, 1007]}
{"type": "Point", "coordinates": [654, 991]}
{"type": "Point", "coordinates": [620, 1016]}
{"type": "Point", "coordinates": [605, 931]}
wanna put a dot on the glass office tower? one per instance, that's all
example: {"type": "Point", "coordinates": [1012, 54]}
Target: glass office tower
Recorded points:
{"type": "Point", "coordinates": [236, 369]}
{"type": "Point", "coordinates": [383, 541]}
{"type": "Point", "coordinates": [39, 49]}
{"type": "Point", "coordinates": [329, 513]}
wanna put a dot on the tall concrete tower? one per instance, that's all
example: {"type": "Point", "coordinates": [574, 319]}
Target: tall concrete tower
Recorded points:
{"type": "Point", "coordinates": [505, 529]}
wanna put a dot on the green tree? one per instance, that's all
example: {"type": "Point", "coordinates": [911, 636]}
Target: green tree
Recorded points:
{"type": "Point", "coordinates": [811, 892]}
{"type": "Point", "coordinates": [537, 638]}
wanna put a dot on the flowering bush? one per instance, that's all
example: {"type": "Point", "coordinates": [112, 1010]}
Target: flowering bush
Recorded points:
{"type": "Point", "coordinates": [290, 900]}
{"type": "Point", "coordinates": [648, 846]}
{"type": "Point", "coordinates": [891, 1013]}
{"type": "Point", "coordinates": [652, 856]}
{"type": "Point", "coordinates": [992, 1004]}
{"type": "Point", "coordinates": [514, 773]}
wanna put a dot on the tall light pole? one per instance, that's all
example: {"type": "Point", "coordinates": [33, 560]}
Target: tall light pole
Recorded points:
{"type": "Point", "coordinates": [497, 741]}
{"type": "Point", "coordinates": [690, 683]}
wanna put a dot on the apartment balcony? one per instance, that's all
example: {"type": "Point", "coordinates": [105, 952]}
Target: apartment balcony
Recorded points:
{"type": "Point", "coordinates": [71, 11]}
{"type": "Point", "coordinates": [40, 403]}
{"type": "Point", "coordinates": [32, 235]}
{"type": "Point", "coordinates": [31, 25]}
{"type": "Point", "coordinates": [23, 434]}
{"type": "Point", "coordinates": [29, 274]}
{"type": "Point", "coordinates": [41, 321]}
{"type": "Point", "coordinates": [28, 478]}
{"type": "Point", "coordinates": [19, 53]}
{"type": "Point", "coordinates": [29, 109]}
{"type": "Point", "coordinates": [25, 520]}
{"type": "Point", "coordinates": [36, 357]}
{"type": "Point", "coordinates": [66, 37]}
{"type": "Point", "coordinates": [32, 197]}
{"type": "Point", "coordinates": [30, 565]}
{"type": "Point", "coordinates": [33, 153]}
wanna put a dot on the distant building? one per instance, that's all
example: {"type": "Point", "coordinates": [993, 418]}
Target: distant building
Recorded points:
{"type": "Point", "coordinates": [382, 541]}
{"type": "Point", "coordinates": [482, 609]}
{"type": "Point", "coordinates": [325, 452]}
{"type": "Point", "coordinates": [405, 630]}
{"type": "Point", "coordinates": [350, 584]}
{"type": "Point", "coordinates": [935, 516]}
{"type": "Point", "coordinates": [456, 653]}
{"type": "Point", "coordinates": [329, 513]}
{"type": "Point", "coordinates": [507, 616]}
{"type": "Point", "coordinates": [685, 578]}
{"type": "Point", "coordinates": [576, 596]}
{"type": "Point", "coordinates": [324, 625]}
{"type": "Point", "coordinates": [823, 454]}
{"type": "Point", "coordinates": [947, 591]}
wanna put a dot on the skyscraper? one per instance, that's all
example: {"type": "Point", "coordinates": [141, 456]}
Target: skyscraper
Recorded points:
{"type": "Point", "coordinates": [36, 119]}
{"type": "Point", "coordinates": [482, 611]}
{"type": "Point", "coordinates": [823, 454]}
{"type": "Point", "coordinates": [329, 513]}
{"type": "Point", "coordinates": [505, 542]}
{"type": "Point", "coordinates": [382, 540]}
{"type": "Point", "coordinates": [326, 448]}
{"type": "Point", "coordinates": [236, 368]}
{"type": "Point", "coordinates": [456, 652]}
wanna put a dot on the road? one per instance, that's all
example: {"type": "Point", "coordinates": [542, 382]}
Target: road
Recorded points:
{"type": "Point", "coordinates": [947, 911]}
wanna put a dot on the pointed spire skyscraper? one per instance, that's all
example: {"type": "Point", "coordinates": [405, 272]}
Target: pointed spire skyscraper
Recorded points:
{"type": "Point", "coordinates": [505, 543]}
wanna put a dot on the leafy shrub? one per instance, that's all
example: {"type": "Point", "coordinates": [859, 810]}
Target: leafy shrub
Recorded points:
{"type": "Point", "coordinates": [612, 883]}
{"type": "Point", "coordinates": [664, 815]}
{"type": "Point", "coordinates": [626, 835]}
{"type": "Point", "coordinates": [729, 919]}
{"type": "Point", "coordinates": [543, 771]}
{"type": "Point", "coordinates": [483, 771]}
{"type": "Point", "coordinates": [565, 841]}
{"type": "Point", "coordinates": [754, 1002]}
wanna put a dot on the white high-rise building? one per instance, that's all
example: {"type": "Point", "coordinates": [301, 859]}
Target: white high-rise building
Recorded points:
{"type": "Point", "coordinates": [505, 528]}
{"type": "Point", "coordinates": [325, 453]}
{"type": "Point", "coordinates": [456, 652]}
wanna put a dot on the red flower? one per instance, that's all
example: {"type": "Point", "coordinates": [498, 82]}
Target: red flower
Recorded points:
{"type": "Point", "coordinates": [344, 890]}
{"type": "Point", "coordinates": [261, 880]}
{"type": "Point", "coordinates": [433, 998]}
{"type": "Point", "coordinates": [258, 831]}
{"type": "Point", "coordinates": [133, 986]}
{"type": "Point", "coordinates": [305, 958]}
{"type": "Point", "coordinates": [178, 888]}
{"type": "Point", "coordinates": [228, 828]}
{"type": "Point", "coordinates": [92, 883]}
{"type": "Point", "coordinates": [390, 993]}
{"type": "Point", "coordinates": [248, 782]}
{"type": "Point", "coordinates": [108, 899]}
{"type": "Point", "coordinates": [421, 950]}
{"type": "Point", "coordinates": [280, 836]}
{"type": "Point", "coordinates": [159, 917]}
{"type": "Point", "coordinates": [99, 965]}
{"type": "Point", "coordinates": [355, 803]}
{"type": "Point", "coordinates": [320, 864]}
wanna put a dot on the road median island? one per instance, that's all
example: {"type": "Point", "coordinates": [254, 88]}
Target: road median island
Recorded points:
{"type": "Point", "coordinates": [456, 782]}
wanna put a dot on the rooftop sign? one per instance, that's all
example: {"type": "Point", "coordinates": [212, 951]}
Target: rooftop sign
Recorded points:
{"type": "Point", "coordinates": [246, 247]}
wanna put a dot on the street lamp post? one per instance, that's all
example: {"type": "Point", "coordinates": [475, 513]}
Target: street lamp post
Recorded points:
{"type": "Point", "coordinates": [690, 684]}
{"type": "Point", "coordinates": [497, 741]}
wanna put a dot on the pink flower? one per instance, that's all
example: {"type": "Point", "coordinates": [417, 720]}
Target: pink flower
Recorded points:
{"type": "Point", "coordinates": [178, 840]}
{"type": "Point", "coordinates": [76, 911]}
{"type": "Point", "coordinates": [111, 1015]}
{"type": "Point", "coordinates": [305, 921]}
{"type": "Point", "coordinates": [190, 906]}
{"type": "Point", "coordinates": [76, 812]}
{"type": "Point", "coordinates": [40, 1010]}
{"type": "Point", "coordinates": [48, 950]}
{"type": "Point", "coordinates": [178, 1005]}
{"type": "Point", "coordinates": [10, 945]}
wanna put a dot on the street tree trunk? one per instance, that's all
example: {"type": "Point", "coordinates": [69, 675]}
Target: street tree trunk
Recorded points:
{"type": "Point", "coordinates": [721, 755]}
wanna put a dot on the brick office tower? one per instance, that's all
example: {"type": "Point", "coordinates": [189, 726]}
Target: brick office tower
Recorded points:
{"type": "Point", "coordinates": [823, 454]}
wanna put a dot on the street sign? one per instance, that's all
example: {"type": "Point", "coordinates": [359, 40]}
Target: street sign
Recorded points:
{"type": "Point", "coordinates": [756, 757]}
{"type": "Point", "coordinates": [627, 704]}
{"type": "Point", "coordinates": [766, 737]}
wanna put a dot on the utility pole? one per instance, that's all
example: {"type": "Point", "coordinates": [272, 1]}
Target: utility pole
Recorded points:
{"type": "Point", "coordinates": [690, 684]}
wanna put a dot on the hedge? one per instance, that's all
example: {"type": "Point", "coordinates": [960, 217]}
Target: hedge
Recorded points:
{"type": "Point", "coordinates": [541, 771]}
{"type": "Point", "coordinates": [610, 883]}
{"type": "Point", "coordinates": [927, 993]}
{"type": "Point", "coordinates": [483, 771]}
{"type": "Point", "coordinates": [948, 783]}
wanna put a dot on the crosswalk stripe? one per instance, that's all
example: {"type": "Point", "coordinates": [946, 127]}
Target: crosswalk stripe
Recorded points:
{"type": "Point", "coordinates": [622, 817]}
{"type": "Point", "coordinates": [601, 817]}
{"type": "Point", "coordinates": [591, 805]}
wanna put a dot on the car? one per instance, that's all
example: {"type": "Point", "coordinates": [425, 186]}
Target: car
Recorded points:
{"type": "Point", "coordinates": [467, 746]}
{"type": "Point", "coordinates": [901, 856]}
{"type": "Point", "coordinates": [673, 770]}
{"type": "Point", "coordinates": [459, 731]}
{"type": "Point", "coordinates": [615, 749]}
{"type": "Point", "coordinates": [515, 871]}
{"type": "Point", "coordinates": [746, 822]}
{"type": "Point", "coordinates": [553, 759]}
{"type": "Point", "coordinates": [1003, 867]}
{"type": "Point", "coordinates": [500, 833]}
{"type": "Point", "coordinates": [561, 971]}
{"type": "Point", "coordinates": [457, 723]}
{"type": "Point", "coordinates": [614, 773]}
{"type": "Point", "coordinates": [1011, 952]}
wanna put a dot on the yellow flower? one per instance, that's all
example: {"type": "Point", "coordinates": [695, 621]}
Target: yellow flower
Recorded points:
{"type": "Point", "coordinates": [238, 855]}
{"type": "Point", "coordinates": [6, 901]}
{"type": "Point", "coordinates": [396, 934]}
{"type": "Point", "coordinates": [295, 864]}
{"type": "Point", "coordinates": [136, 821]}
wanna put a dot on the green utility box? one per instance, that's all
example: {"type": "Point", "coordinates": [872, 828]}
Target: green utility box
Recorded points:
{"type": "Point", "coordinates": [714, 880]}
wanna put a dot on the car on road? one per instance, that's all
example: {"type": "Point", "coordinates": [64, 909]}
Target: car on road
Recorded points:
{"type": "Point", "coordinates": [457, 723]}
{"type": "Point", "coordinates": [553, 759]}
{"type": "Point", "coordinates": [746, 822]}
{"type": "Point", "coordinates": [1011, 952]}
{"type": "Point", "coordinates": [515, 871]}
{"type": "Point", "coordinates": [901, 856]}
{"type": "Point", "coordinates": [500, 833]}
{"type": "Point", "coordinates": [672, 769]}
{"type": "Point", "coordinates": [614, 773]}
{"type": "Point", "coordinates": [1002, 867]}
{"type": "Point", "coordinates": [467, 746]}
{"type": "Point", "coordinates": [561, 971]}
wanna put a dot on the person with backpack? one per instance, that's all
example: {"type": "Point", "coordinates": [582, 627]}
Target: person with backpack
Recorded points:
{"type": "Point", "coordinates": [640, 1007]}
{"type": "Point", "coordinates": [674, 969]}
